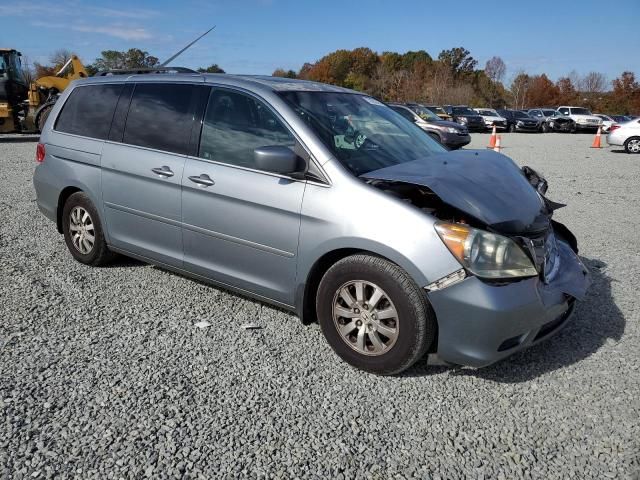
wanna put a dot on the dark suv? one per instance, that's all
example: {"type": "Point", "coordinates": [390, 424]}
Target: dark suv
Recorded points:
{"type": "Point", "coordinates": [518, 120]}
{"type": "Point", "coordinates": [465, 116]}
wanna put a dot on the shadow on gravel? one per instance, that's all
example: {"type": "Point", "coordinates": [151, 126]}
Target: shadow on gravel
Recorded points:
{"type": "Point", "coordinates": [123, 262]}
{"type": "Point", "coordinates": [33, 138]}
{"type": "Point", "coordinates": [596, 320]}
{"type": "Point", "coordinates": [618, 151]}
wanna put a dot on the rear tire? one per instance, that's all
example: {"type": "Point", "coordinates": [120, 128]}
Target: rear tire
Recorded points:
{"type": "Point", "coordinates": [42, 116]}
{"type": "Point", "coordinates": [383, 323]}
{"type": "Point", "coordinates": [632, 145]}
{"type": "Point", "coordinates": [83, 232]}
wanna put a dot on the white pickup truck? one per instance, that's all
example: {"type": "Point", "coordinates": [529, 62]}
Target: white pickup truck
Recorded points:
{"type": "Point", "coordinates": [584, 119]}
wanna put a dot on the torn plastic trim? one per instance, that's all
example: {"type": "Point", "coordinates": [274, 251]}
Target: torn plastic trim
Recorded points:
{"type": "Point", "coordinates": [447, 281]}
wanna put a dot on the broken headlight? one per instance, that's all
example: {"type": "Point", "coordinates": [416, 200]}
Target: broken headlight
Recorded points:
{"type": "Point", "coordinates": [485, 254]}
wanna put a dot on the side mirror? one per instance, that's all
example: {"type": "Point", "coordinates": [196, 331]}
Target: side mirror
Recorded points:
{"type": "Point", "coordinates": [278, 159]}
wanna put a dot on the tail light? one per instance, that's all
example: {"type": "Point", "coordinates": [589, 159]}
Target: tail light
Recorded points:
{"type": "Point", "coordinates": [614, 127]}
{"type": "Point", "coordinates": [40, 153]}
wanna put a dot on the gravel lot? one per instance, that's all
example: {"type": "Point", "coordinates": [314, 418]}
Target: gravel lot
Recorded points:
{"type": "Point", "coordinates": [103, 373]}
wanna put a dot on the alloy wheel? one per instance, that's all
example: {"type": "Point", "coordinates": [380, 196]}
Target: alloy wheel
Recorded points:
{"type": "Point", "coordinates": [634, 145]}
{"type": "Point", "coordinates": [82, 230]}
{"type": "Point", "coordinates": [365, 317]}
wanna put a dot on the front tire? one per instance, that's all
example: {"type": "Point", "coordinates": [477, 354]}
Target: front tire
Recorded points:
{"type": "Point", "coordinates": [632, 145]}
{"type": "Point", "coordinates": [83, 232]}
{"type": "Point", "coordinates": [512, 128]}
{"type": "Point", "coordinates": [373, 314]}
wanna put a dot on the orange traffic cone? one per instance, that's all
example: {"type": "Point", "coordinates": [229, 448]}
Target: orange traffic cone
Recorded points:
{"type": "Point", "coordinates": [596, 140]}
{"type": "Point", "coordinates": [497, 146]}
{"type": "Point", "coordinates": [492, 138]}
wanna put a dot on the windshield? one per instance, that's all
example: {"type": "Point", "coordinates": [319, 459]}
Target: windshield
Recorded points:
{"type": "Point", "coordinates": [425, 113]}
{"type": "Point", "coordinates": [487, 113]}
{"type": "Point", "coordinates": [438, 110]}
{"type": "Point", "coordinates": [463, 111]}
{"type": "Point", "coordinates": [518, 114]}
{"type": "Point", "coordinates": [362, 133]}
{"type": "Point", "coordinates": [580, 111]}
{"type": "Point", "coordinates": [549, 113]}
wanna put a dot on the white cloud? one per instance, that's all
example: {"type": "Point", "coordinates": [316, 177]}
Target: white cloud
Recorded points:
{"type": "Point", "coordinates": [118, 31]}
{"type": "Point", "coordinates": [124, 32]}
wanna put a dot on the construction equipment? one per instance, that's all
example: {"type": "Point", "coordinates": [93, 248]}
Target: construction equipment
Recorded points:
{"type": "Point", "coordinates": [24, 107]}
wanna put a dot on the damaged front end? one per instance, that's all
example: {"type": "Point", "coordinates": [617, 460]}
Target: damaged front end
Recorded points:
{"type": "Point", "coordinates": [520, 269]}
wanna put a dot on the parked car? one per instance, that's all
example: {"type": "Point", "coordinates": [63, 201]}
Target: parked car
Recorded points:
{"type": "Point", "coordinates": [450, 134]}
{"type": "Point", "coordinates": [542, 114]}
{"type": "Point", "coordinates": [607, 121]}
{"type": "Point", "coordinates": [465, 116]}
{"type": "Point", "coordinates": [558, 123]}
{"type": "Point", "coordinates": [315, 198]}
{"type": "Point", "coordinates": [627, 135]}
{"type": "Point", "coordinates": [491, 118]}
{"type": "Point", "coordinates": [584, 119]}
{"type": "Point", "coordinates": [518, 121]}
{"type": "Point", "coordinates": [620, 118]}
{"type": "Point", "coordinates": [439, 111]}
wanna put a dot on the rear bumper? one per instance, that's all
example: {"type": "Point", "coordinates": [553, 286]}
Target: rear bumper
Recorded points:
{"type": "Point", "coordinates": [481, 323]}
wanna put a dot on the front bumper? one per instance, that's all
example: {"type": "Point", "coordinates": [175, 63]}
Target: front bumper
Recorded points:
{"type": "Point", "coordinates": [480, 323]}
{"type": "Point", "coordinates": [527, 128]}
{"type": "Point", "coordinates": [455, 139]}
{"type": "Point", "coordinates": [587, 126]}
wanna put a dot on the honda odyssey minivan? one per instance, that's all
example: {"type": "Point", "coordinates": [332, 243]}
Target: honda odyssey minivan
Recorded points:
{"type": "Point", "coordinates": [317, 199]}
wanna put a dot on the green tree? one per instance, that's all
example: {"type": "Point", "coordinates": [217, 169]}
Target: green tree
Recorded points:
{"type": "Point", "coordinates": [459, 60]}
{"type": "Point", "coordinates": [213, 68]}
{"type": "Point", "coordinates": [131, 59]}
{"type": "Point", "coordinates": [281, 72]}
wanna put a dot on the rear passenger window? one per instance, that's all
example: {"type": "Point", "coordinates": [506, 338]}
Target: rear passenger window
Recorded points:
{"type": "Point", "coordinates": [235, 124]}
{"type": "Point", "coordinates": [160, 117]}
{"type": "Point", "coordinates": [89, 110]}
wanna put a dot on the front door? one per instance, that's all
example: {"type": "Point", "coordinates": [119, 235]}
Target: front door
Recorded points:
{"type": "Point", "coordinates": [241, 225]}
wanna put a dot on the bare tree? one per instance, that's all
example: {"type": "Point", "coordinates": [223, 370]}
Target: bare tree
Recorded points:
{"type": "Point", "coordinates": [519, 88]}
{"type": "Point", "coordinates": [495, 69]}
{"type": "Point", "coordinates": [593, 82]}
{"type": "Point", "coordinates": [60, 57]}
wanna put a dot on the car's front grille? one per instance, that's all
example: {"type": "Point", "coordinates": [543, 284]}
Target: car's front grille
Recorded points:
{"type": "Point", "coordinates": [544, 252]}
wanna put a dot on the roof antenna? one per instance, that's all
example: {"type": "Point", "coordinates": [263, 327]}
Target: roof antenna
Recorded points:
{"type": "Point", "coordinates": [170, 59]}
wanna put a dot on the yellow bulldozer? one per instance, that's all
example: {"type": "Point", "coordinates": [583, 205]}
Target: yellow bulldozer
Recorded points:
{"type": "Point", "coordinates": [24, 106]}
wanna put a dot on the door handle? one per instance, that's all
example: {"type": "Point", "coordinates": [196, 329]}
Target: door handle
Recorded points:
{"type": "Point", "coordinates": [203, 180]}
{"type": "Point", "coordinates": [163, 171]}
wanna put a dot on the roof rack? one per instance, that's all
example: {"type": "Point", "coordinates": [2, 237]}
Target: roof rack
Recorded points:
{"type": "Point", "coordinates": [136, 71]}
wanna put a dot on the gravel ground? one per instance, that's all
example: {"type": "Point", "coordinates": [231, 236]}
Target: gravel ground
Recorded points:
{"type": "Point", "coordinates": [104, 374]}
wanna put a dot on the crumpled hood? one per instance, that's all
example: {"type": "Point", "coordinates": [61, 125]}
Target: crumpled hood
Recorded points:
{"type": "Point", "coordinates": [484, 184]}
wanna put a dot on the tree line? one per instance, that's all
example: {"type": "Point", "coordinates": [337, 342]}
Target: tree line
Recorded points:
{"type": "Point", "coordinates": [453, 77]}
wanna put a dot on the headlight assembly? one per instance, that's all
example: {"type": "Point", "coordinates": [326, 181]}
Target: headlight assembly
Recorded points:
{"type": "Point", "coordinates": [485, 254]}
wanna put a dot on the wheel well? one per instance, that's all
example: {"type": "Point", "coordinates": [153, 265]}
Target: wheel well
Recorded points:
{"type": "Point", "coordinates": [318, 270]}
{"type": "Point", "coordinates": [62, 199]}
{"type": "Point", "coordinates": [315, 275]}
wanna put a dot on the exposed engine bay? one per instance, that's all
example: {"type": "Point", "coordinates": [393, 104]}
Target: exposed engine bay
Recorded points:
{"type": "Point", "coordinates": [523, 214]}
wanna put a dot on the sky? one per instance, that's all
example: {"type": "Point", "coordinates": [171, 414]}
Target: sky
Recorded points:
{"type": "Point", "coordinates": [258, 36]}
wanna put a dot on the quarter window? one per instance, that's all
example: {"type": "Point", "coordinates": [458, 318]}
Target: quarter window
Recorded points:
{"type": "Point", "coordinates": [235, 124]}
{"type": "Point", "coordinates": [89, 110]}
{"type": "Point", "coordinates": [161, 117]}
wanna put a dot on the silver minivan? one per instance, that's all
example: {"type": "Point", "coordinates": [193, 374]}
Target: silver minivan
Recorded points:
{"type": "Point", "coordinates": [317, 199]}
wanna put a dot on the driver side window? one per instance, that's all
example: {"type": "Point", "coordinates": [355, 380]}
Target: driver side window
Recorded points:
{"type": "Point", "coordinates": [235, 124]}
